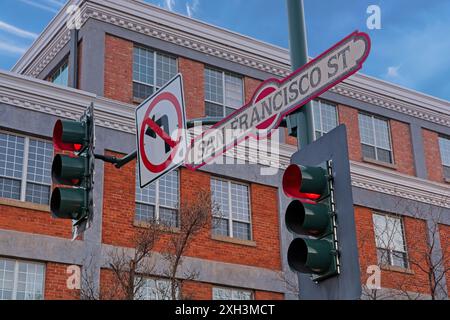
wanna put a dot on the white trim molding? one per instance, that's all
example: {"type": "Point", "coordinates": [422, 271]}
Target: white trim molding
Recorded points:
{"type": "Point", "coordinates": [390, 182]}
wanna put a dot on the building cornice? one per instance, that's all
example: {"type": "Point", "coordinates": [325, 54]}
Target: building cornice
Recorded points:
{"type": "Point", "coordinates": [390, 182]}
{"type": "Point", "coordinates": [48, 98]}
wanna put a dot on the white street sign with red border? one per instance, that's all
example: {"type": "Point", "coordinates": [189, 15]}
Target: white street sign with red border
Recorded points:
{"type": "Point", "coordinates": [161, 132]}
{"type": "Point", "coordinates": [275, 99]}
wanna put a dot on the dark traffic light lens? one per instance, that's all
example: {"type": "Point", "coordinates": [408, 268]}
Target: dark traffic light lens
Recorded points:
{"type": "Point", "coordinates": [68, 203]}
{"type": "Point", "coordinates": [68, 135]}
{"type": "Point", "coordinates": [310, 255]}
{"type": "Point", "coordinates": [68, 170]}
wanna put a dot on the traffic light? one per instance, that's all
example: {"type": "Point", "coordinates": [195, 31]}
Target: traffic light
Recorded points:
{"type": "Point", "coordinates": [75, 171]}
{"type": "Point", "coordinates": [319, 212]}
{"type": "Point", "coordinates": [312, 216]}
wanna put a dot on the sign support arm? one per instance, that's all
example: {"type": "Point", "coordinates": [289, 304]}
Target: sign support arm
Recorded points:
{"type": "Point", "coordinates": [118, 162]}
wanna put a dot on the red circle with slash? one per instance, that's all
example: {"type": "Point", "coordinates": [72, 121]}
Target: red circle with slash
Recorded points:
{"type": "Point", "coordinates": [148, 122]}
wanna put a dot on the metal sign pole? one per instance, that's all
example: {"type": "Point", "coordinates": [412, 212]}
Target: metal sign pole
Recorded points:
{"type": "Point", "coordinates": [300, 123]}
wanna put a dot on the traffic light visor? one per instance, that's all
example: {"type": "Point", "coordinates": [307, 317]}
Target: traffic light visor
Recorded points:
{"type": "Point", "coordinates": [68, 135]}
{"type": "Point", "coordinates": [304, 182]}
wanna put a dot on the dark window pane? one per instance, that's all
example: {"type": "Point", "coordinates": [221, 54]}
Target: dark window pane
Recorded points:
{"type": "Point", "coordinates": [384, 155]}
{"type": "Point", "coordinates": [37, 193]}
{"type": "Point", "coordinates": [229, 111]}
{"type": "Point", "coordinates": [399, 259]}
{"type": "Point", "coordinates": [447, 172]}
{"type": "Point", "coordinates": [220, 227]}
{"type": "Point", "coordinates": [145, 213]}
{"type": "Point", "coordinates": [368, 151]}
{"type": "Point", "coordinates": [241, 230]}
{"type": "Point", "coordinates": [10, 188]}
{"type": "Point", "coordinates": [168, 217]}
{"type": "Point", "coordinates": [383, 257]}
{"type": "Point", "coordinates": [142, 91]}
{"type": "Point", "coordinates": [213, 110]}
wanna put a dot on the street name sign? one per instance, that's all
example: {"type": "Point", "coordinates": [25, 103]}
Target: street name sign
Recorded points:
{"type": "Point", "coordinates": [161, 132]}
{"type": "Point", "coordinates": [275, 99]}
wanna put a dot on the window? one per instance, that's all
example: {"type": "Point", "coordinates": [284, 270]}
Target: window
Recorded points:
{"type": "Point", "coordinates": [25, 168]}
{"type": "Point", "coordinates": [224, 93]}
{"type": "Point", "coordinates": [444, 146]}
{"type": "Point", "coordinates": [155, 289]}
{"type": "Point", "coordinates": [325, 117]}
{"type": "Point", "coordinates": [20, 280]}
{"type": "Point", "coordinates": [151, 70]}
{"type": "Point", "coordinates": [389, 238]}
{"type": "Point", "coordinates": [233, 218]}
{"type": "Point", "coordinates": [61, 74]}
{"type": "Point", "coordinates": [231, 294]}
{"type": "Point", "coordinates": [159, 200]}
{"type": "Point", "coordinates": [375, 138]}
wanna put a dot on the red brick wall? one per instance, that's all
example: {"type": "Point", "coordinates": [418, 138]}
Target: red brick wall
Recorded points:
{"type": "Point", "coordinates": [118, 69]}
{"type": "Point", "coordinates": [432, 155]}
{"type": "Point", "coordinates": [118, 204]}
{"type": "Point", "coordinates": [402, 147]}
{"type": "Point", "coordinates": [34, 221]}
{"type": "Point", "coordinates": [349, 117]}
{"type": "Point", "coordinates": [415, 233]}
{"type": "Point", "coordinates": [250, 86]}
{"type": "Point", "coordinates": [444, 232]}
{"type": "Point", "coordinates": [56, 283]}
{"type": "Point", "coordinates": [194, 83]}
{"type": "Point", "coordinates": [266, 295]}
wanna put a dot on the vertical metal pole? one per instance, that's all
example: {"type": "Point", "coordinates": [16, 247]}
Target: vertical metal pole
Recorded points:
{"type": "Point", "coordinates": [300, 123]}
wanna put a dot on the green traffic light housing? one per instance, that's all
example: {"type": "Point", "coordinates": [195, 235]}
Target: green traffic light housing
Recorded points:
{"type": "Point", "coordinates": [310, 255]}
{"type": "Point", "coordinates": [305, 182]}
{"type": "Point", "coordinates": [311, 216]}
{"type": "Point", "coordinates": [307, 218]}
{"type": "Point", "coordinates": [68, 203]}
{"type": "Point", "coordinates": [68, 170]}
{"type": "Point", "coordinates": [69, 135]}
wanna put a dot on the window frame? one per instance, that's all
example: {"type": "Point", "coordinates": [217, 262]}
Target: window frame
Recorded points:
{"type": "Point", "coordinates": [319, 102]}
{"type": "Point", "coordinates": [156, 280]}
{"type": "Point", "coordinates": [16, 275]}
{"type": "Point", "coordinates": [391, 150]}
{"type": "Point", "coordinates": [230, 217]}
{"type": "Point", "coordinates": [157, 204]}
{"type": "Point", "coordinates": [24, 178]}
{"type": "Point", "coordinates": [232, 289]}
{"type": "Point", "coordinates": [155, 53]}
{"type": "Point", "coordinates": [445, 167]}
{"type": "Point", "coordinates": [223, 105]}
{"type": "Point", "coordinates": [391, 251]}
{"type": "Point", "coordinates": [58, 70]}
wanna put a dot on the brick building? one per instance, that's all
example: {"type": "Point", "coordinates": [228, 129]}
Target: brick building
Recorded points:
{"type": "Point", "coordinates": [399, 142]}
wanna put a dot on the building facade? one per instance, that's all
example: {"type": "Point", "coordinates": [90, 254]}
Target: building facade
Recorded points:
{"type": "Point", "coordinates": [399, 145]}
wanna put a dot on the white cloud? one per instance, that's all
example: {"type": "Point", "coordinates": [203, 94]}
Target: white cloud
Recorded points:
{"type": "Point", "coordinates": [40, 6]}
{"type": "Point", "coordinates": [10, 48]}
{"type": "Point", "coordinates": [169, 4]}
{"type": "Point", "coordinates": [56, 3]}
{"type": "Point", "coordinates": [393, 71]}
{"type": "Point", "coordinates": [17, 31]}
{"type": "Point", "coordinates": [191, 9]}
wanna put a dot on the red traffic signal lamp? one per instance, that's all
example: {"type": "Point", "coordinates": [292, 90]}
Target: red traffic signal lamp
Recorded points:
{"type": "Point", "coordinates": [74, 200]}
{"type": "Point", "coordinates": [311, 215]}
{"type": "Point", "coordinates": [69, 135]}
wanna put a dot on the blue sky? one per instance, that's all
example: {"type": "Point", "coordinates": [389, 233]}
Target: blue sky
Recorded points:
{"type": "Point", "coordinates": [411, 49]}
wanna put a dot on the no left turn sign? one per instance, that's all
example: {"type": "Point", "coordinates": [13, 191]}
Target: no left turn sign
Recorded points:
{"type": "Point", "coordinates": [160, 132]}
